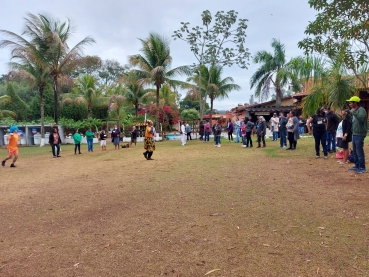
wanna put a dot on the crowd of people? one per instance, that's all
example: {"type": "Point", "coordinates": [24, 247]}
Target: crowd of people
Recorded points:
{"type": "Point", "coordinates": [329, 132]}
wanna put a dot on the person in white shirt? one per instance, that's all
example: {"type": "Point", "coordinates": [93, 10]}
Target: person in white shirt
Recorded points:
{"type": "Point", "coordinates": [183, 133]}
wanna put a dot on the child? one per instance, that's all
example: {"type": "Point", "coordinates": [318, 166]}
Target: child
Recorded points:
{"type": "Point", "coordinates": [13, 139]}
{"type": "Point", "coordinates": [77, 142]}
{"type": "Point", "coordinates": [133, 135]}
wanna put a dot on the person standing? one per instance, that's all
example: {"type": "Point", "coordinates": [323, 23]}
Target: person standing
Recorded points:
{"type": "Point", "coordinates": [293, 130]}
{"type": "Point", "coordinates": [275, 126]}
{"type": "Point", "coordinates": [344, 134]}
{"type": "Point", "coordinates": [333, 122]}
{"type": "Point", "coordinates": [201, 130]}
{"type": "Point", "coordinates": [90, 139]}
{"type": "Point", "coordinates": [77, 142]}
{"type": "Point", "coordinates": [115, 134]}
{"type": "Point", "coordinates": [359, 132]}
{"type": "Point", "coordinates": [133, 135]}
{"type": "Point", "coordinates": [249, 127]}
{"type": "Point", "coordinates": [55, 141]}
{"type": "Point", "coordinates": [319, 123]}
{"type": "Point", "coordinates": [261, 131]}
{"type": "Point", "coordinates": [183, 133]}
{"type": "Point", "coordinates": [282, 130]}
{"type": "Point", "coordinates": [230, 130]}
{"type": "Point", "coordinates": [149, 143]}
{"type": "Point", "coordinates": [302, 123]}
{"type": "Point", "coordinates": [103, 137]}
{"type": "Point", "coordinates": [217, 133]}
{"type": "Point", "coordinates": [243, 132]}
{"type": "Point", "coordinates": [188, 131]}
{"type": "Point", "coordinates": [207, 131]}
{"type": "Point", "coordinates": [13, 140]}
{"type": "Point", "coordinates": [237, 128]}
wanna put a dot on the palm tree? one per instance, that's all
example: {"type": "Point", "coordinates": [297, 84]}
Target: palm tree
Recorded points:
{"type": "Point", "coordinates": [273, 74]}
{"type": "Point", "coordinates": [117, 100]}
{"type": "Point", "coordinates": [214, 86]}
{"type": "Point", "coordinates": [154, 66]}
{"type": "Point", "coordinates": [6, 113]}
{"type": "Point", "coordinates": [85, 91]}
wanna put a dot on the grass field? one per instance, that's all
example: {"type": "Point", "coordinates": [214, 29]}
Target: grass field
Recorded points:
{"type": "Point", "coordinates": [192, 211]}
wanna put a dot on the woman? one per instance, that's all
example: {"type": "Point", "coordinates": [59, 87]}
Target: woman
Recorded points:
{"type": "Point", "coordinates": [149, 143]}
{"type": "Point", "coordinates": [319, 124]}
{"type": "Point", "coordinates": [183, 134]}
{"type": "Point", "coordinates": [103, 140]}
{"type": "Point", "coordinates": [90, 139]}
{"type": "Point", "coordinates": [293, 130]}
{"type": "Point", "coordinates": [217, 133]}
{"type": "Point", "coordinates": [344, 134]}
{"type": "Point", "coordinates": [249, 127]}
{"type": "Point", "coordinates": [243, 132]}
{"type": "Point", "coordinates": [261, 130]}
{"type": "Point", "coordinates": [77, 142]}
{"type": "Point", "coordinates": [275, 121]}
{"type": "Point", "coordinates": [230, 130]}
{"type": "Point", "coordinates": [55, 141]}
{"type": "Point", "coordinates": [201, 130]}
{"type": "Point", "coordinates": [207, 130]}
{"type": "Point", "coordinates": [115, 134]}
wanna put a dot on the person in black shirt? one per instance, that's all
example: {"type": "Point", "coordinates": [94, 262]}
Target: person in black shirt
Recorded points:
{"type": "Point", "coordinates": [319, 122]}
{"type": "Point", "coordinates": [133, 135]}
{"type": "Point", "coordinates": [333, 122]}
{"type": "Point", "coordinates": [103, 137]}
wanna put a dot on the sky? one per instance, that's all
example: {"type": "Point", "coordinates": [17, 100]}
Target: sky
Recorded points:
{"type": "Point", "coordinates": [116, 26]}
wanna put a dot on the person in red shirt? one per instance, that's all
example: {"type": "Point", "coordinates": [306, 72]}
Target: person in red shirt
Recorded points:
{"type": "Point", "coordinates": [13, 139]}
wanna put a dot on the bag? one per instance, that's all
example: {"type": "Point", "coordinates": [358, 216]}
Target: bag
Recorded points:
{"type": "Point", "coordinates": [339, 154]}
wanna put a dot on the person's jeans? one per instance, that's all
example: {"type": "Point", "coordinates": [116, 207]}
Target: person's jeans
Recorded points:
{"type": "Point", "coordinates": [77, 146]}
{"type": "Point", "coordinates": [261, 138]}
{"type": "Point", "coordinates": [244, 140]}
{"type": "Point", "coordinates": [275, 135]}
{"type": "Point", "coordinates": [331, 142]}
{"type": "Point", "coordinates": [248, 139]}
{"type": "Point", "coordinates": [358, 151]}
{"type": "Point", "coordinates": [238, 134]}
{"type": "Point", "coordinates": [301, 130]}
{"type": "Point", "coordinates": [283, 138]}
{"type": "Point", "coordinates": [207, 134]}
{"type": "Point", "coordinates": [320, 138]}
{"type": "Point", "coordinates": [90, 144]}
{"type": "Point", "coordinates": [230, 135]}
{"type": "Point", "coordinates": [57, 146]}
{"type": "Point", "coordinates": [217, 140]}
{"type": "Point", "coordinates": [189, 136]}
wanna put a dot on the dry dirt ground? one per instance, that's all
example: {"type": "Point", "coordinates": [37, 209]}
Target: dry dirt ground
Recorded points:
{"type": "Point", "coordinates": [192, 211]}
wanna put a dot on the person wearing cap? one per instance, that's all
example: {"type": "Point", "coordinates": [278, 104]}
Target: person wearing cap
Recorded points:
{"type": "Point", "coordinates": [13, 139]}
{"type": "Point", "coordinates": [359, 131]}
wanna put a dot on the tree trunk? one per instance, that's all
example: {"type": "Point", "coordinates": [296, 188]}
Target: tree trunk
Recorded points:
{"type": "Point", "coordinates": [42, 111]}
{"type": "Point", "coordinates": [56, 100]}
{"type": "Point", "coordinates": [136, 109]}
{"type": "Point", "coordinates": [278, 97]}
{"type": "Point", "coordinates": [157, 109]}
{"type": "Point", "coordinates": [211, 112]}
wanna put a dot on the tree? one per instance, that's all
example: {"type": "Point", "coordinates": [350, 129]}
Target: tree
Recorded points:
{"type": "Point", "coordinates": [5, 113]}
{"type": "Point", "coordinates": [16, 104]}
{"type": "Point", "coordinates": [154, 66]}
{"type": "Point", "coordinates": [191, 102]}
{"type": "Point", "coordinates": [85, 91]}
{"type": "Point", "coordinates": [273, 74]}
{"type": "Point", "coordinates": [341, 28]}
{"type": "Point", "coordinates": [219, 44]}
{"type": "Point", "coordinates": [117, 101]}
{"type": "Point", "coordinates": [111, 71]}
{"type": "Point", "coordinates": [215, 86]}
{"type": "Point", "coordinates": [189, 114]}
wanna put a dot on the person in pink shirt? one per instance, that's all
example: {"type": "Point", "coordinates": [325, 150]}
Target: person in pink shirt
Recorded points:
{"type": "Point", "coordinates": [207, 131]}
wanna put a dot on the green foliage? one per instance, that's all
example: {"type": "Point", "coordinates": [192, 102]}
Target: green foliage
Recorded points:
{"type": "Point", "coordinates": [189, 114]}
{"type": "Point", "coordinates": [340, 27]}
{"type": "Point", "coordinates": [24, 91]}
{"type": "Point", "coordinates": [81, 125]}
{"type": "Point", "coordinates": [100, 111]}
{"type": "Point", "coordinates": [188, 102]}
{"type": "Point", "coordinates": [16, 104]}
{"type": "Point", "coordinates": [111, 71]}
{"type": "Point", "coordinates": [74, 111]}
{"type": "Point", "coordinates": [35, 112]}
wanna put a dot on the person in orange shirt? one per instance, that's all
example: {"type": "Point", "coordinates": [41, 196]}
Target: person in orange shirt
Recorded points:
{"type": "Point", "coordinates": [13, 139]}
{"type": "Point", "coordinates": [149, 143]}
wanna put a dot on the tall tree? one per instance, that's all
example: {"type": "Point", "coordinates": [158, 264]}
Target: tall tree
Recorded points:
{"type": "Point", "coordinates": [5, 113]}
{"type": "Point", "coordinates": [154, 66]}
{"type": "Point", "coordinates": [217, 43]}
{"type": "Point", "coordinates": [341, 27]}
{"type": "Point", "coordinates": [273, 74]}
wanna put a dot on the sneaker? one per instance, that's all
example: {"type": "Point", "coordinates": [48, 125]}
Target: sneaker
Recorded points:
{"type": "Point", "coordinates": [361, 170]}
{"type": "Point", "coordinates": [3, 163]}
{"type": "Point", "coordinates": [244, 146]}
{"type": "Point", "coordinates": [215, 145]}
{"type": "Point", "coordinates": [12, 165]}
{"type": "Point", "coordinates": [317, 157]}
{"type": "Point", "coordinates": [54, 156]}
{"type": "Point", "coordinates": [58, 156]}
{"type": "Point", "coordinates": [219, 145]}
{"type": "Point", "coordinates": [353, 168]}
{"type": "Point", "coordinates": [325, 157]}
{"type": "Point", "coordinates": [285, 146]}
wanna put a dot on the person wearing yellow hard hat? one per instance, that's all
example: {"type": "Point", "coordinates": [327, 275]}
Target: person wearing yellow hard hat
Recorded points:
{"type": "Point", "coordinates": [359, 132]}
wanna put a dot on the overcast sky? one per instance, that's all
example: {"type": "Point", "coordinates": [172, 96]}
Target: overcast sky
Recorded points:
{"type": "Point", "coordinates": [116, 25]}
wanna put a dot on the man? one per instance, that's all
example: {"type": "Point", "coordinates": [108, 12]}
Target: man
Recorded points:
{"type": "Point", "coordinates": [302, 123]}
{"type": "Point", "coordinates": [333, 122]}
{"type": "Point", "coordinates": [283, 130]}
{"type": "Point", "coordinates": [13, 139]}
{"type": "Point", "coordinates": [238, 124]}
{"type": "Point", "coordinates": [115, 135]}
{"type": "Point", "coordinates": [188, 131]}
{"type": "Point", "coordinates": [183, 133]}
{"type": "Point", "coordinates": [359, 131]}
{"type": "Point", "coordinates": [275, 128]}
